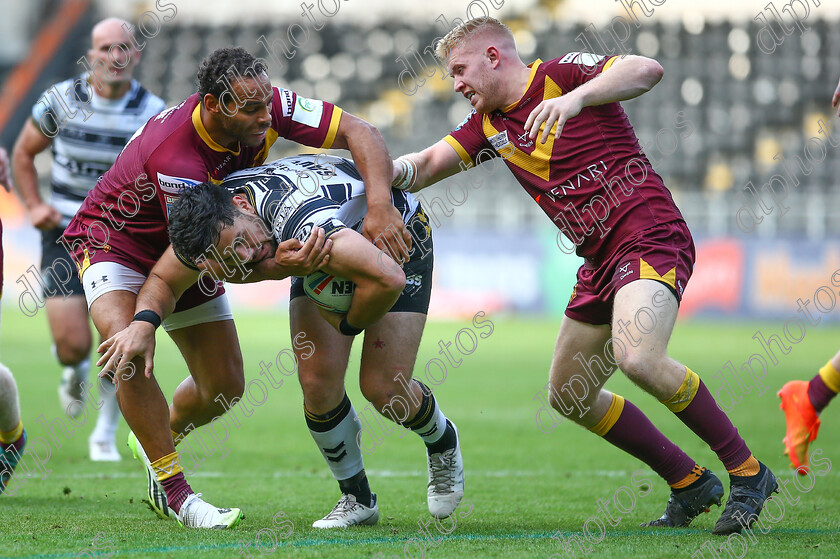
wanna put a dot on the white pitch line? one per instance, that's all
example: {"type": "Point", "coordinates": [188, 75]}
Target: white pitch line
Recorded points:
{"type": "Point", "coordinates": [373, 473]}
{"type": "Point", "coordinates": [383, 474]}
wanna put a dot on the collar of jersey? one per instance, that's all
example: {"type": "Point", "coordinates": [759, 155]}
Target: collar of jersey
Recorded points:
{"type": "Point", "coordinates": [202, 132]}
{"type": "Point", "coordinates": [534, 66]}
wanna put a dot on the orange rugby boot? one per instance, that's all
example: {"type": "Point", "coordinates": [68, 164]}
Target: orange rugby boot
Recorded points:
{"type": "Point", "coordinates": [802, 423]}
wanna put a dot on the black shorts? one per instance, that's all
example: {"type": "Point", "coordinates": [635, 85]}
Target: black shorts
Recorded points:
{"type": "Point", "coordinates": [58, 268]}
{"type": "Point", "coordinates": [418, 280]}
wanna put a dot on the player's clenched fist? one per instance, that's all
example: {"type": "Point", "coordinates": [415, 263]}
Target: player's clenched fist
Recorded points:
{"type": "Point", "coordinates": [294, 258]}
{"type": "Point", "coordinates": [385, 228]}
{"type": "Point", "coordinates": [558, 109]}
{"type": "Point", "coordinates": [44, 216]}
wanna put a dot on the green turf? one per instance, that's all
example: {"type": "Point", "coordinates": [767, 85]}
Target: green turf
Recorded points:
{"type": "Point", "coordinates": [523, 485]}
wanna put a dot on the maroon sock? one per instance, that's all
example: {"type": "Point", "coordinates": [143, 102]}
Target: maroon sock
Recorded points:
{"type": "Point", "coordinates": [177, 490]}
{"type": "Point", "coordinates": [819, 394]}
{"type": "Point", "coordinates": [707, 420]}
{"type": "Point", "coordinates": [17, 444]}
{"type": "Point", "coordinates": [635, 434]}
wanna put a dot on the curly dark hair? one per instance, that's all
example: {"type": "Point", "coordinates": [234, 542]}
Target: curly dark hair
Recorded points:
{"type": "Point", "coordinates": [197, 218]}
{"type": "Point", "coordinates": [228, 63]}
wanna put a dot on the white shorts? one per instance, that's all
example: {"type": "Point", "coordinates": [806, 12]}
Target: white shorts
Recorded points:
{"type": "Point", "coordinates": [104, 277]}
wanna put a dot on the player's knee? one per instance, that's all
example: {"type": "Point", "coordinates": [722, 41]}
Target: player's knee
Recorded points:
{"type": "Point", "coordinates": [638, 365]}
{"type": "Point", "coordinates": [229, 388]}
{"type": "Point", "coordinates": [378, 393]}
{"type": "Point", "coordinates": [555, 398]}
{"type": "Point", "coordinates": [320, 394]}
{"type": "Point", "coordinates": [72, 349]}
{"type": "Point", "coordinates": [393, 281]}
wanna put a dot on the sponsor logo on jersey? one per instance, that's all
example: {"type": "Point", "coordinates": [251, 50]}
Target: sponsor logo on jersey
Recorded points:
{"type": "Point", "coordinates": [589, 175]}
{"type": "Point", "coordinates": [625, 271]}
{"type": "Point", "coordinates": [174, 185]}
{"type": "Point", "coordinates": [524, 141]}
{"type": "Point", "coordinates": [224, 162]}
{"type": "Point", "coordinates": [585, 58]}
{"type": "Point", "coordinates": [282, 211]}
{"type": "Point", "coordinates": [308, 111]}
{"type": "Point", "coordinates": [499, 141]}
{"type": "Point", "coordinates": [287, 102]}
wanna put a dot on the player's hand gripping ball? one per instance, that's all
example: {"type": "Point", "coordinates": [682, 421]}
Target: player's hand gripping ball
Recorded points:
{"type": "Point", "coordinates": [329, 292]}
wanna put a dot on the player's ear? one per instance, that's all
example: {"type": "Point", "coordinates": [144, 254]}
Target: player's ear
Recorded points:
{"type": "Point", "coordinates": [242, 203]}
{"type": "Point", "coordinates": [211, 103]}
{"type": "Point", "coordinates": [492, 54]}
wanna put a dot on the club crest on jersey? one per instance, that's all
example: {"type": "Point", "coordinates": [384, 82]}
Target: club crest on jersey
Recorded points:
{"type": "Point", "coordinates": [174, 185]}
{"type": "Point", "coordinates": [499, 141]}
{"type": "Point", "coordinates": [170, 201]}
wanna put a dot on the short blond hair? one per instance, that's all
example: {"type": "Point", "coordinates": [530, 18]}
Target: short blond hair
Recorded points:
{"type": "Point", "coordinates": [470, 28]}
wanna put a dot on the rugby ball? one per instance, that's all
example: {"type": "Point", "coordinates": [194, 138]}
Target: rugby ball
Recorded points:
{"type": "Point", "coordinates": [329, 292]}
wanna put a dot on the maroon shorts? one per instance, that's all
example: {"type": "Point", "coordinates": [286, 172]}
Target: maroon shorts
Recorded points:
{"type": "Point", "coordinates": [664, 253]}
{"type": "Point", "coordinates": [126, 252]}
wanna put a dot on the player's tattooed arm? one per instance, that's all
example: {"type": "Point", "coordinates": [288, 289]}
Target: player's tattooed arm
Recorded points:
{"type": "Point", "coordinates": [431, 165]}
{"type": "Point", "coordinates": [374, 164]}
{"type": "Point", "coordinates": [166, 283]}
{"type": "Point", "coordinates": [628, 77]}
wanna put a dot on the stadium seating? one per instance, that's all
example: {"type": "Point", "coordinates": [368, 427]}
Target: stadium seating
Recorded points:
{"type": "Point", "coordinates": [745, 106]}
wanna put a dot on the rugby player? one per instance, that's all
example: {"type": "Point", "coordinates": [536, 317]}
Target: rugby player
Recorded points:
{"type": "Point", "coordinates": [87, 120]}
{"type": "Point", "coordinates": [120, 232]}
{"type": "Point", "coordinates": [12, 433]}
{"type": "Point", "coordinates": [803, 401]}
{"type": "Point", "coordinates": [561, 131]}
{"type": "Point", "coordinates": [245, 221]}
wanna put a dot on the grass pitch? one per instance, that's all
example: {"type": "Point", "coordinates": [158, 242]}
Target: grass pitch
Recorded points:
{"type": "Point", "coordinates": [523, 485]}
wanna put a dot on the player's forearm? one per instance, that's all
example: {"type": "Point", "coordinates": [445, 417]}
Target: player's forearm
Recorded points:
{"type": "Point", "coordinates": [627, 78]}
{"type": "Point", "coordinates": [157, 295]}
{"type": "Point", "coordinates": [25, 178]}
{"type": "Point", "coordinates": [371, 301]}
{"type": "Point", "coordinates": [372, 159]}
{"type": "Point", "coordinates": [268, 269]}
{"type": "Point", "coordinates": [426, 171]}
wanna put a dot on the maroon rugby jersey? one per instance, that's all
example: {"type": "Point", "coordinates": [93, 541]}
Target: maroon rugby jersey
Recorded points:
{"type": "Point", "coordinates": [124, 218]}
{"type": "Point", "coordinates": [594, 182]}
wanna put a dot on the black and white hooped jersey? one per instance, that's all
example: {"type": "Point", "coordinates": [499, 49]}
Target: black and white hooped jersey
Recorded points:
{"type": "Point", "coordinates": [88, 133]}
{"type": "Point", "coordinates": [284, 187]}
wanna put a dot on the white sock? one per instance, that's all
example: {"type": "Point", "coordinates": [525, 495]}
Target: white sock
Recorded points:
{"type": "Point", "coordinates": [109, 415]}
{"type": "Point", "coordinates": [429, 423]}
{"type": "Point", "coordinates": [336, 439]}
